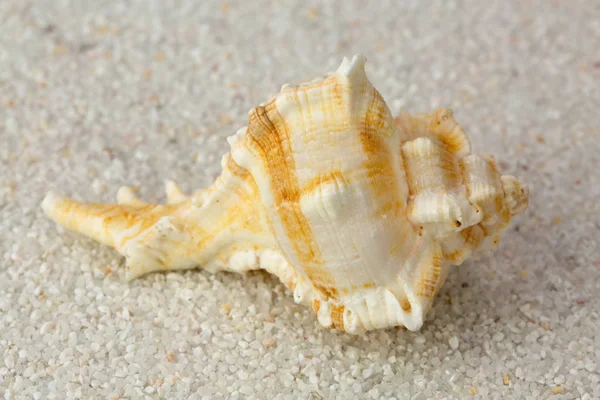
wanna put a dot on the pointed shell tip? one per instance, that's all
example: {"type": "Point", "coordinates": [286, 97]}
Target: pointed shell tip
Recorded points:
{"type": "Point", "coordinates": [50, 201]}
{"type": "Point", "coordinates": [353, 67]}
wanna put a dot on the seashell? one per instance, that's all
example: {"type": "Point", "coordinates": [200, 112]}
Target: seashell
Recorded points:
{"type": "Point", "coordinates": [358, 213]}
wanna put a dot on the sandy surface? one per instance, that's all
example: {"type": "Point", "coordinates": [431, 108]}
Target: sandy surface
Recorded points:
{"type": "Point", "coordinates": [94, 96]}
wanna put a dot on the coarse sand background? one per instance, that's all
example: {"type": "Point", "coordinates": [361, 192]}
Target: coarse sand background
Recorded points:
{"type": "Point", "coordinates": [99, 94]}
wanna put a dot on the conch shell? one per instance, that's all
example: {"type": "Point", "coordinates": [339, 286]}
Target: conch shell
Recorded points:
{"type": "Point", "coordinates": [358, 213]}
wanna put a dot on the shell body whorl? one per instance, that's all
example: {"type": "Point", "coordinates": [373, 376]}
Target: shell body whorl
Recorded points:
{"type": "Point", "coordinates": [358, 213]}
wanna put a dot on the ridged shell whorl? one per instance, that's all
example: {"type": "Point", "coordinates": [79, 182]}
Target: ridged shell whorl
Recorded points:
{"type": "Point", "coordinates": [358, 213]}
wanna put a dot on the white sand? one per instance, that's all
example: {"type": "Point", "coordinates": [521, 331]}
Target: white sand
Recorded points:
{"type": "Point", "coordinates": [94, 96]}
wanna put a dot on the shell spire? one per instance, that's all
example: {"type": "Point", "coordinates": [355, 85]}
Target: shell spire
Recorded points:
{"type": "Point", "coordinates": [360, 214]}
